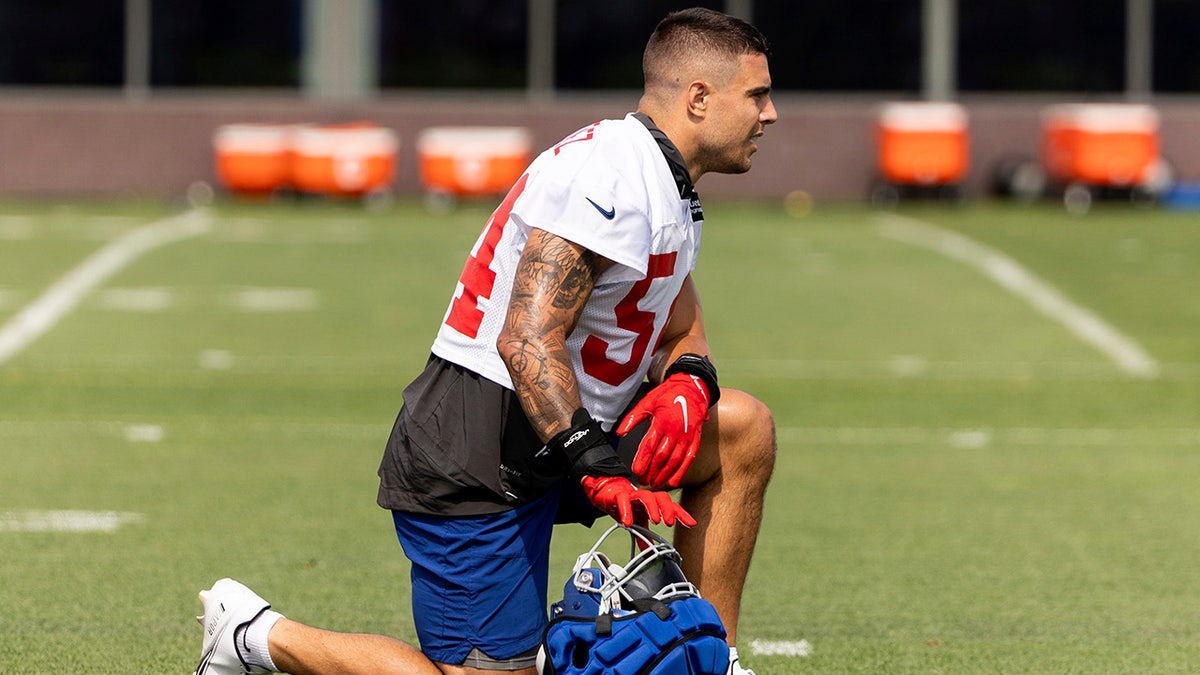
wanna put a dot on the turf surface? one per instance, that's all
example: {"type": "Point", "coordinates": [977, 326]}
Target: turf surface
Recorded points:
{"type": "Point", "coordinates": [962, 485]}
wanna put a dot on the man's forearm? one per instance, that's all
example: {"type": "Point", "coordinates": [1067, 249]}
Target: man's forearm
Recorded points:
{"type": "Point", "coordinates": [544, 382]}
{"type": "Point", "coordinates": [553, 282]}
{"type": "Point", "coordinates": [667, 353]}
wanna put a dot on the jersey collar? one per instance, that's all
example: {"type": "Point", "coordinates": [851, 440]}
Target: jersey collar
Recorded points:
{"type": "Point", "coordinates": [683, 179]}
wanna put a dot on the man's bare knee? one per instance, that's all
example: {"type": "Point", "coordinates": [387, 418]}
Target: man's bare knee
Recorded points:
{"type": "Point", "coordinates": [747, 435]}
{"type": "Point", "coordinates": [738, 443]}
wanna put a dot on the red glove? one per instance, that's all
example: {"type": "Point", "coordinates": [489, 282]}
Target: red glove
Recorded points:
{"type": "Point", "coordinates": [619, 498]}
{"type": "Point", "coordinates": [676, 408]}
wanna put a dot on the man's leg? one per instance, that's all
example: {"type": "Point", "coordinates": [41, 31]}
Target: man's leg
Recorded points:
{"type": "Point", "coordinates": [303, 650]}
{"type": "Point", "coordinates": [243, 635]}
{"type": "Point", "coordinates": [724, 490]}
{"type": "Point", "coordinates": [479, 599]}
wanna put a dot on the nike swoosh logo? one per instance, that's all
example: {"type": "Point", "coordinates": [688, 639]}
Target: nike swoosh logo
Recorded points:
{"type": "Point", "coordinates": [683, 404]}
{"type": "Point", "coordinates": [609, 214]}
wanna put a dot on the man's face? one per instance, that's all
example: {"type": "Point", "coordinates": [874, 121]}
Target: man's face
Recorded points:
{"type": "Point", "coordinates": [739, 111]}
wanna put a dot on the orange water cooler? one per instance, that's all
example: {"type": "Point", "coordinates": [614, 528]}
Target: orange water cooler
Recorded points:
{"type": "Point", "coordinates": [253, 158]}
{"type": "Point", "coordinates": [1092, 150]}
{"type": "Point", "coordinates": [923, 148]}
{"type": "Point", "coordinates": [1111, 145]}
{"type": "Point", "coordinates": [463, 162]}
{"type": "Point", "coordinates": [351, 160]}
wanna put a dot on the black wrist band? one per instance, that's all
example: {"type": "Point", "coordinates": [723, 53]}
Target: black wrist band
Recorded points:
{"type": "Point", "coordinates": [586, 447]}
{"type": "Point", "coordinates": [701, 367]}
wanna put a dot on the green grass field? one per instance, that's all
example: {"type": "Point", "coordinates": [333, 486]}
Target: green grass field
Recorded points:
{"type": "Point", "coordinates": [963, 484]}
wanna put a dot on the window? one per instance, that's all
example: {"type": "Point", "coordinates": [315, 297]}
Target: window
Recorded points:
{"type": "Point", "coordinates": [1069, 46]}
{"type": "Point", "coordinates": [840, 45]}
{"type": "Point", "coordinates": [598, 47]}
{"type": "Point", "coordinates": [1176, 59]}
{"type": "Point", "coordinates": [1034, 45]}
{"type": "Point", "coordinates": [453, 43]}
{"type": "Point", "coordinates": [55, 42]}
{"type": "Point", "coordinates": [226, 43]}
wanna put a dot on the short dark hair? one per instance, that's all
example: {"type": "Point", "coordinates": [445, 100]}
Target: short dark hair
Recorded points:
{"type": "Point", "coordinates": [686, 32]}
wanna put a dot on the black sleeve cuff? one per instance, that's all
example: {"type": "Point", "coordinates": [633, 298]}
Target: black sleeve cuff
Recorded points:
{"type": "Point", "coordinates": [701, 367]}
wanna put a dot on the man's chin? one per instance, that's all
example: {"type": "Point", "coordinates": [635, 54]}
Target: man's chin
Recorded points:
{"type": "Point", "coordinates": [739, 165]}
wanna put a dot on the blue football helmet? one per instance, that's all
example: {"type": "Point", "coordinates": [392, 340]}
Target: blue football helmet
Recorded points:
{"type": "Point", "coordinates": [598, 585]}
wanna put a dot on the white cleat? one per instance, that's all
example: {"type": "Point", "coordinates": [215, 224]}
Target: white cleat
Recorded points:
{"type": "Point", "coordinates": [736, 668]}
{"type": "Point", "coordinates": [228, 606]}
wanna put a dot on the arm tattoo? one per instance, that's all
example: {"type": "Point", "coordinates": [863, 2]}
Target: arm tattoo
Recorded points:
{"type": "Point", "coordinates": [553, 282]}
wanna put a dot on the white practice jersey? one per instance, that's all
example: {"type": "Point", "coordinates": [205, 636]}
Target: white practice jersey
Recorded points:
{"type": "Point", "coordinates": [610, 188]}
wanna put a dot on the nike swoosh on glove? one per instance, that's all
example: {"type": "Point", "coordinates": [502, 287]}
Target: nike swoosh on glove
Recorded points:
{"type": "Point", "coordinates": [626, 503]}
{"type": "Point", "coordinates": [676, 409]}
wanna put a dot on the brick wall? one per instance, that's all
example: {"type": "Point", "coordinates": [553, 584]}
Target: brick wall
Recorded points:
{"type": "Point", "coordinates": [100, 145]}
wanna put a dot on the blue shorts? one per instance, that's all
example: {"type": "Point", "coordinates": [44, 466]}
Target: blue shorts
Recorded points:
{"type": "Point", "coordinates": [479, 582]}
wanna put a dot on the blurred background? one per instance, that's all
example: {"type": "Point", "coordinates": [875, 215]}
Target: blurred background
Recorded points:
{"type": "Point", "coordinates": [127, 98]}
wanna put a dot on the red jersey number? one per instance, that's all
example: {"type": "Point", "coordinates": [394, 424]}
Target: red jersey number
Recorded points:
{"type": "Point", "coordinates": [584, 134]}
{"type": "Point", "coordinates": [596, 361]}
{"type": "Point", "coordinates": [478, 280]}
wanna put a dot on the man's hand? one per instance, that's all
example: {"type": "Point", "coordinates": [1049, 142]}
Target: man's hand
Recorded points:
{"type": "Point", "coordinates": [619, 498]}
{"type": "Point", "coordinates": [676, 409]}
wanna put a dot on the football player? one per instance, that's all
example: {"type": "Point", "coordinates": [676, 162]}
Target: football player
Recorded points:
{"type": "Point", "coordinates": [570, 378]}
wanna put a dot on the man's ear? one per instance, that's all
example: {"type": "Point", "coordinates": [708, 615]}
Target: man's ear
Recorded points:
{"type": "Point", "coordinates": [697, 98]}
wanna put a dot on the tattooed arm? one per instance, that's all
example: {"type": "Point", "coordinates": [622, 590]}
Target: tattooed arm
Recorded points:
{"type": "Point", "coordinates": [554, 279]}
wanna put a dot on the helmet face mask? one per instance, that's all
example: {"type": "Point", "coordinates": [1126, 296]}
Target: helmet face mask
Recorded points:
{"type": "Point", "coordinates": [655, 574]}
{"type": "Point", "coordinates": [598, 585]}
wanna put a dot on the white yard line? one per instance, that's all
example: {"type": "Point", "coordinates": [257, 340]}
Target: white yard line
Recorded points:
{"type": "Point", "coordinates": [793, 648]}
{"type": "Point", "coordinates": [14, 432]}
{"type": "Point", "coordinates": [66, 521]}
{"type": "Point", "coordinates": [903, 366]}
{"type": "Point", "coordinates": [259, 299]}
{"type": "Point", "coordinates": [966, 438]}
{"type": "Point", "coordinates": [1094, 331]}
{"type": "Point", "coordinates": [154, 299]}
{"type": "Point", "coordinates": [61, 298]}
